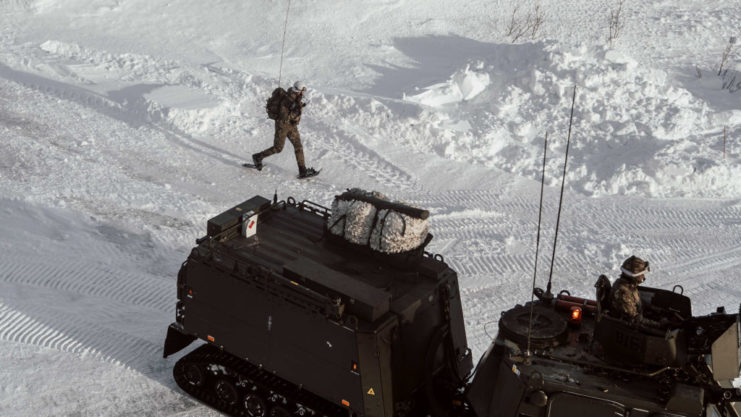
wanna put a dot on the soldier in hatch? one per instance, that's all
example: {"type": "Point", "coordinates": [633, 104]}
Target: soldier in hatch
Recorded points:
{"type": "Point", "coordinates": [624, 297]}
{"type": "Point", "coordinates": [286, 125]}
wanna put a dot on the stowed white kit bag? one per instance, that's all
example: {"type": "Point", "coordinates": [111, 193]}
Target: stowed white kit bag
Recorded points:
{"type": "Point", "coordinates": [372, 219]}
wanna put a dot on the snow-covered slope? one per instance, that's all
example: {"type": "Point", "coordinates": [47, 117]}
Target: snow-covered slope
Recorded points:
{"type": "Point", "coordinates": [123, 124]}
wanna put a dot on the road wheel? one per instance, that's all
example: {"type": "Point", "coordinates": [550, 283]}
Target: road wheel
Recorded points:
{"type": "Point", "coordinates": [226, 392]}
{"type": "Point", "coordinates": [255, 405]}
{"type": "Point", "coordinates": [194, 375]}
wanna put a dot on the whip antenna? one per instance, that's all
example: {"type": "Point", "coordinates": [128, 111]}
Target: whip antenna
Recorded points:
{"type": "Point", "coordinates": [283, 45]}
{"type": "Point", "coordinates": [537, 247]}
{"type": "Point", "coordinates": [560, 201]}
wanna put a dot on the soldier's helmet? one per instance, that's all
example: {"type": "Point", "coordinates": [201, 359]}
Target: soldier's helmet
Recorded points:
{"type": "Point", "coordinates": [635, 268]}
{"type": "Point", "coordinates": [298, 87]}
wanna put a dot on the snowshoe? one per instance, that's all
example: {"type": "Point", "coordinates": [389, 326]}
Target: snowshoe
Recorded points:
{"type": "Point", "coordinates": [308, 173]}
{"type": "Point", "coordinates": [256, 162]}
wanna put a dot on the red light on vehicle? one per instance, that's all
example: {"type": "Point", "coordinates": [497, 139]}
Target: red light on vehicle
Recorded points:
{"type": "Point", "coordinates": [575, 317]}
{"type": "Point", "coordinates": [346, 403]}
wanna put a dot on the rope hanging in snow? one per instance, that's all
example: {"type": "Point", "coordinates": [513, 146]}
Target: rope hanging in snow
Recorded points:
{"type": "Point", "coordinates": [283, 45]}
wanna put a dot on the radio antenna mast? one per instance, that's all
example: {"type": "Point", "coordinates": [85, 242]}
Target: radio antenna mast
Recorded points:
{"type": "Point", "coordinates": [560, 201]}
{"type": "Point", "coordinates": [537, 248]}
{"type": "Point", "coordinates": [283, 44]}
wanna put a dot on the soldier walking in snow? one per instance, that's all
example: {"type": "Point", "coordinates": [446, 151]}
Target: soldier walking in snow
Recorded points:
{"type": "Point", "coordinates": [286, 108]}
{"type": "Point", "coordinates": [624, 297]}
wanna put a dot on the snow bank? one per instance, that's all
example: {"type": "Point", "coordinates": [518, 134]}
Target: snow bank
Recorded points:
{"type": "Point", "coordinates": [463, 85]}
{"type": "Point", "coordinates": [636, 131]}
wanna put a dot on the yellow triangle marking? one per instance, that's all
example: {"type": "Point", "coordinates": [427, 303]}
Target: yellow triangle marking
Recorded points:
{"type": "Point", "coordinates": [371, 392]}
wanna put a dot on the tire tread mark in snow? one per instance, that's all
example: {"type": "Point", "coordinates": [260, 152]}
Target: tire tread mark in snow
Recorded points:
{"type": "Point", "coordinates": [125, 287]}
{"type": "Point", "coordinates": [136, 113]}
{"type": "Point", "coordinates": [353, 153]}
{"type": "Point", "coordinates": [70, 334]}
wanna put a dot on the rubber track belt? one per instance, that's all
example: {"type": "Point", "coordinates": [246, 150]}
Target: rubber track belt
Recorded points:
{"type": "Point", "coordinates": [237, 369]}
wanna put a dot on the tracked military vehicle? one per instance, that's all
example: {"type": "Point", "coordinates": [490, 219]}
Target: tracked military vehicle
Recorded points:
{"type": "Point", "coordinates": [301, 321]}
{"type": "Point", "coordinates": [572, 357]}
{"type": "Point", "coordinates": [309, 311]}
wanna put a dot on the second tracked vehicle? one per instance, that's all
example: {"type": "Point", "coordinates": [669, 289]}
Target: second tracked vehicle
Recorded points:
{"type": "Point", "coordinates": [303, 310]}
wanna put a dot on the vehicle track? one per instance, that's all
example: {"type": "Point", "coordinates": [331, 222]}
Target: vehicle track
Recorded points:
{"type": "Point", "coordinates": [86, 278]}
{"type": "Point", "coordinates": [77, 286]}
{"type": "Point", "coordinates": [724, 262]}
{"type": "Point", "coordinates": [658, 218]}
{"type": "Point", "coordinates": [485, 200]}
{"type": "Point", "coordinates": [136, 113]}
{"type": "Point", "coordinates": [344, 146]}
{"type": "Point", "coordinates": [37, 324]}
{"type": "Point", "coordinates": [650, 227]}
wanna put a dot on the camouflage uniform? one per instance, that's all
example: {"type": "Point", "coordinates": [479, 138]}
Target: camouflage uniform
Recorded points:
{"type": "Point", "coordinates": [286, 125]}
{"type": "Point", "coordinates": [624, 298]}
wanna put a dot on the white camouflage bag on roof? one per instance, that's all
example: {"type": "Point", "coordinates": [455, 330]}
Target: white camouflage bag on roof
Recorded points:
{"type": "Point", "coordinates": [396, 232]}
{"type": "Point", "coordinates": [372, 219]}
{"type": "Point", "coordinates": [354, 220]}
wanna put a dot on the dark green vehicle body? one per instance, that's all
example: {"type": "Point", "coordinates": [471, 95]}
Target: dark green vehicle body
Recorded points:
{"type": "Point", "coordinates": [347, 325]}
{"type": "Point", "coordinates": [604, 367]}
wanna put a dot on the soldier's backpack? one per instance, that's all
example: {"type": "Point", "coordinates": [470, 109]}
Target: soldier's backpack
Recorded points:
{"type": "Point", "coordinates": [273, 105]}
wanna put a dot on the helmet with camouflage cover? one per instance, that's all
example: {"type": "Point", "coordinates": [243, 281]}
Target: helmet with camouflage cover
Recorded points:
{"type": "Point", "coordinates": [635, 268]}
{"type": "Point", "coordinates": [298, 87]}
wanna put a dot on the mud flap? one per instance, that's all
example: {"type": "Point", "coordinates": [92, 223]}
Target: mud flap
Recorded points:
{"type": "Point", "coordinates": [176, 340]}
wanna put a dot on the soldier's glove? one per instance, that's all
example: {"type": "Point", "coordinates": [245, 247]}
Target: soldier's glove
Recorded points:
{"type": "Point", "coordinates": [304, 104]}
